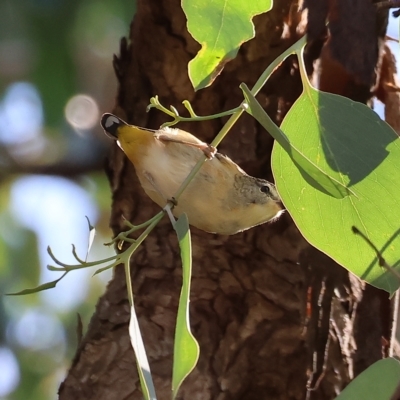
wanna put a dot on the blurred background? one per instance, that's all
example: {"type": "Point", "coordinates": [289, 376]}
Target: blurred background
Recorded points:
{"type": "Point", "coordinates": [56, 79]}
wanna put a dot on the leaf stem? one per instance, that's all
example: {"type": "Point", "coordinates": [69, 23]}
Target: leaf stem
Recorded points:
{"type": "Point", "coordinates": [127, 254]}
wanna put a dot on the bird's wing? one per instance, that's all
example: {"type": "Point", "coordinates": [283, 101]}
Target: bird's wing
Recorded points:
{"type": "Point", "coordinates": [183, 137]}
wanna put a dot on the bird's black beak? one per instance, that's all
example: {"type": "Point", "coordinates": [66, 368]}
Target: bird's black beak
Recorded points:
{"type": "Point", "coordinates": [110, 123]}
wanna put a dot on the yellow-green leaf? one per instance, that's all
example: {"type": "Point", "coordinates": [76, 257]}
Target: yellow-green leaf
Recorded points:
{"type": "Point", "coordinates": [186, 348]}
{"type": "Point", "coordinates": [351, 143]}
{"type": "Point", "coordinates": [220, 26]}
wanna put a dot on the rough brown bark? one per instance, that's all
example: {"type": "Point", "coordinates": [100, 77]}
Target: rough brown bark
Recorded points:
{"type": "Point", "coordinates": [271, 314]}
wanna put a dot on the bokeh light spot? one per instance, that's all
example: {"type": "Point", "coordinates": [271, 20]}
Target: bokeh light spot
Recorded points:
{"type": "Point", "coordinates": [21, 114]}
{"type": "Point", "coordinates": [38, 329]}
{"type": "Point", "coordinates": [10, 375]}
{"type": "Point", "coordinates": [82, 112]}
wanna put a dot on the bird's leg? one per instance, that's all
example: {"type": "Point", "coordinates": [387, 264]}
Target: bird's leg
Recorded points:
{"type": "Point", "coordinates": [168, 209]}
{"type": "Point", "coordinates": [208, 150]}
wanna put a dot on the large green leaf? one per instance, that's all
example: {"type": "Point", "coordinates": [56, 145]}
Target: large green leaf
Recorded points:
{"type": "Point", "coordinates": [310, 170]}
{"type": "Point", "coordinates": [351, 143]}
{"type": "Point", "coordinates": [378, 382]}
{"type": "Point", "coordinates": [186, 348]}
{"type": "Point", "coordinates": [220, 26]}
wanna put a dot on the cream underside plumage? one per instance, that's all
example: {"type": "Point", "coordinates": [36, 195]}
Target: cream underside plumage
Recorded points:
{"type": "Point", "coordinates": [216, 200]}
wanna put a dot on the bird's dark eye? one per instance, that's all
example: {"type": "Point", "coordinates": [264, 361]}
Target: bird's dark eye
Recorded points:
{"type": "Point", "coordinates": [265, 189]}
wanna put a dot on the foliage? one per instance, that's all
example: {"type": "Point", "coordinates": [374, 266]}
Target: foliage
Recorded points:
{"type": "Point", "coordinates": [221, 27]}
{"type": "Point", "coordinates": [327, 177]}
{"type": "Point", "coordinates": [379, 381]}
{"type": "Point", "coordinates": [342, 183]}
{"type": "Point", "coordinates": [186, 348]}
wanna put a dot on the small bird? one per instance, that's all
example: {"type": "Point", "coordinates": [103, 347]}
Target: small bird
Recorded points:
{"type": "Point", "coordinates": [221, 198]}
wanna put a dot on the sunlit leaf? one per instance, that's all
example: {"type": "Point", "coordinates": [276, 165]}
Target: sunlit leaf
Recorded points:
{"type": "Point", "coordinates": [350, 142]}
{"type": "Point", "coordinates": [221, 27]}
{"type": "Point", "coordinates": [92, 234]}
{"type": "Point", "coordinates": [146, 380]}
{"type": "Point", "coordinates": [186, 348]}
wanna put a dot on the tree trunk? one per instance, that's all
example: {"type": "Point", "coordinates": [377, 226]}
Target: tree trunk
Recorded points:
{"type": "Point", "coordinates": [275, 318]}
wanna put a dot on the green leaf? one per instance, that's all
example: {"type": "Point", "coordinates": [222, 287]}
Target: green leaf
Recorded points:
{"type": "Point", "coordinates": [186, 348]}
{"type": "Point", "coordinates": [379, 381]}
{"type": "Point", "coordinates": [220, 26]}
{"type": "Point", "coordinates": [40, 288]}
{"type": "Point", "coordinates": [352, 144]}
{"type": "Point", "coordinates": [309, 169]}
{"type": "Point", "coordinates": [143, 367]}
